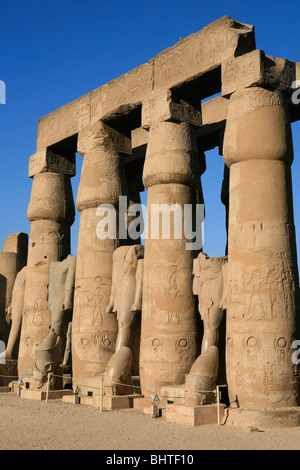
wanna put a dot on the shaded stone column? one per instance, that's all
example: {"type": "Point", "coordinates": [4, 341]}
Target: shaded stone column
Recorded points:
{"type": "Point", "coordinates": [263, 273]}
{"type": "Point", "coordinates": [94, 331]}
{"type": "Point", "coordinates": [12, 259]}
{"type": "Point", "coordinates": [51, 213]}
{"type": "Point", "coordinates": [169, 337]}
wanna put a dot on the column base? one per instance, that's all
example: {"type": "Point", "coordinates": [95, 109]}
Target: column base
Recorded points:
{"type": "Point", "coordinates": [263, 417]}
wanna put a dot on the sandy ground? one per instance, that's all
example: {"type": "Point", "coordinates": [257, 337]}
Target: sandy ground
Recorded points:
{"type": "Point", "coordinates": [56, 425]}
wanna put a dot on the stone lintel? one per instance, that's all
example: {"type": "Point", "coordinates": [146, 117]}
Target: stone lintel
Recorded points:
{"type": "Point", "coordinates": [139, 142]}
{"type": "Point", "coordinates": [202, 52]}
{"type": "Point", "coordinates": [164, 108]}
{"type": "Point", "coordinates": [192, 57]}
{"type": "Point", "coordinates": [64, 122]}
{"type": "Point", "coordinates": [257, 69]}
{"type": "Point", "coordinates": [280, 73]}
{"type": "Point", "coordinates": [139, 137]}
{"type": "Point", "coordinates": [214, 110]}
{"type": "Point", "coordinates": [47, 160]}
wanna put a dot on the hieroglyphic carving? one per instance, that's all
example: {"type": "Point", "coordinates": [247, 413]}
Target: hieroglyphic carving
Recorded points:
{"type": "Point", "coordinates": [257, 69]}
{"type": "Point", "coordinates": [193, 56]}
{"type": "Point", "coordinates": [124, 93]}
{"type": "Point", "coordinates": [199, 52]}
{"type": "Point", "coordinates": [163, 108]}
{"type": "Point", "coordinates": [243, 71]}
{"type": "Point", "coordinates": [63, 122]}
{"type": "Point", "coordinates": [47, 160]}
{"type": "Point", "coordinates": [121, 143]}
{"type": "Point", "coordinates": [256, 98]}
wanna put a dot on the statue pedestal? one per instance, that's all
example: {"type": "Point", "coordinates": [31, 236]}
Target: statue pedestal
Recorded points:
{"type": "Point", "coordinates": [113, 402]}
{"type": "Point", "coordinates": [42, 394]}
{"type": "Point", "coordinates": [194, 415]}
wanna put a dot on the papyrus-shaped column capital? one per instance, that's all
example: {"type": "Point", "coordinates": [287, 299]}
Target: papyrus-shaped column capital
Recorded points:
{"type": "Point", "coordinates": [102, 178]}
{"type": "Point", "coordinates": [258, 127]}
{"type": "Point", "coordinates": [172, 155]}
{"type": "Point", "coordinates": [51, 199]}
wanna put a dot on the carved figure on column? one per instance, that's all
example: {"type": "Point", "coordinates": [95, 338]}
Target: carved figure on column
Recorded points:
{"type": "Point", "coordinates": [50, 354]}
{"type": "Point", "coordinates": [125, 302]}
{"type": "Point", "coordinates": [210, 285]}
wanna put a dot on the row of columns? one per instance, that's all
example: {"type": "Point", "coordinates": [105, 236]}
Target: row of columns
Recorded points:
{"type": "Point", "coordinates": [263, 274]}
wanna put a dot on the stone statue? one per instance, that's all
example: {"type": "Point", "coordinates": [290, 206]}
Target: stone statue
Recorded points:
{"type": "Point", "coordinates": [12, 259]}
{"type": "Point", "coordinates": [9, 357]}
{"type": "Point", "coordinates": [126, 292]}
{"type": "Point", "coordinates": [210, 285]}
{"type": "Point", "coordinates": [50, 354]}
{"type": "Point", "coordinates": [15, 312]}
{"type": "Point", "coordinates": [125, 302]}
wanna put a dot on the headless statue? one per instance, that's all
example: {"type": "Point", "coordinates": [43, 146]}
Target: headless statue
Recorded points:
{"type": "Point", "coordinates": [125, 302]}
{"type": "Point", "coordinates": [50, 354]}
{"type": "Point", "coordinates": [210, 285]}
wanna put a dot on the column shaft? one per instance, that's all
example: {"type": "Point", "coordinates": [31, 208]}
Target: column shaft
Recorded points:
{"type": "Point", "coordinates": [169, 342]}
{"type": "Point", "coordinates": [51, 213]}
{"type": "Point", "coordinates": [263, 274]}
{"type": "Point", "coordinates": [94, 331]}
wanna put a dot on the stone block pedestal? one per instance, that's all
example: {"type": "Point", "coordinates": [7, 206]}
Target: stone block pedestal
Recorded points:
{"type": "Point", "coordinates": [114, 402]}
{"type": "Point", "coordinates": [42, 394]}
{"type": "Point", "coordinates": [193, 415]}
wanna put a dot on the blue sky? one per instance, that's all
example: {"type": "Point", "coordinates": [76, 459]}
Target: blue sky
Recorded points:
{"type": "Point", "coordinates": [52, 52]}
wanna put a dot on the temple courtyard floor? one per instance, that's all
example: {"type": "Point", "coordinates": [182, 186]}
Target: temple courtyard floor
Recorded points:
{"type": "Point", "coordinates": [36, 425]}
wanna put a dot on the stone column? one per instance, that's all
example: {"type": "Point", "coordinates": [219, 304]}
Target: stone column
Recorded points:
{"type": "Point", "coordinates": [169, 337]}
{"type": "Point", "coordinates": [263, 273]}
{"type": "Point", "coordinates": [12, 259]}
{"type": "Point", "coordinates": [51, 213]}
{"type": "Point", "coordinates": [94, 331]}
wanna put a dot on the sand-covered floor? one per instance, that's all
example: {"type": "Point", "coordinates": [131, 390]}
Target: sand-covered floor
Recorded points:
{"type": "Point", "coordinates": [56, 425]}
